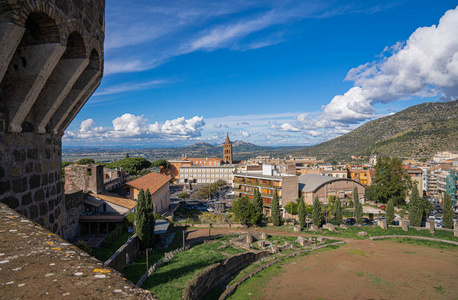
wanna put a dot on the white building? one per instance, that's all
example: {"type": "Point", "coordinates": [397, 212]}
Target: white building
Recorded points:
{"type": "Point", "coordinates": [206, 174]}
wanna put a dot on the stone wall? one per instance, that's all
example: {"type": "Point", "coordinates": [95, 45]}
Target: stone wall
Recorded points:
{"type": "Point", "coordinates": [212, 275]}
{"type": "Point", "coordinates": [30, 177]}
{"type": "Point", "coordinates": [88, 178]}
{"type": "Point", "coordinates": [124, 255]}
{"type": "Point", "coordinates": [50, 64]}
{"type": "Point", "coordinates": [73, 207]}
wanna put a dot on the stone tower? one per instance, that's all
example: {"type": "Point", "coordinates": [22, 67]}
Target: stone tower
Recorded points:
{"type": "Point", "coordinates": [227, 151]}
{"type": "Point", "coordinates": [50, 64]}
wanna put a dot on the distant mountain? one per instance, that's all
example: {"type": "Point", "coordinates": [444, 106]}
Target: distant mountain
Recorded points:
{"type": "Point", "coordinates": [418, 131]}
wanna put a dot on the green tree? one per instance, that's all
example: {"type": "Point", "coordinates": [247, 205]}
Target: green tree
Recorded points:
{"type": "Point", "coordinates": [391, 181]}
{"type": "Point", "coordinates": [257, 200]}
{"type": "Point", "coordinates": [358, 212]}
{"type": "Point", "coordinates": [316, 213]}
{"type": "Point", "coordinates": [85, 161]}
{"type": "Point", "coordinates": [415, 208]}
{"type": "Point", "coordinates": [245, 211]}
{"type": "Point", "coordinates": [370, 193]}
{"type": "Point", "coordinates": [275, 210]}
{"type": "Point", "coordinates": [183, 195]}
{"type": "Point", "coordinates": [302, 212]}
{"type": "Point", "coordinates": [161, 163]}
{"type": "Point", "coordinates": [292, 207]}
{"type": "Point", "coordinates": [338, 211]}
{"type": "Point", "coordinates": [355, 195]}
{"type": "Point", "coordinates": [390, 212]}
{"type": "Point", "coordinates": [145, 219]}
{"type": "Point", "coordinates": [132, 165]}
{"type": "Point", "coordinates": [447, 217]}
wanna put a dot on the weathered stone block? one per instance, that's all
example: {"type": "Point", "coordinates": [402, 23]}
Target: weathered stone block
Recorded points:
{"type": "Point", "coordinates": [321, 239]}
{"type": "Point", "coordinates": [33, 212]}
{"type": "Point", "coordinates": [342, 226]}
{"type": "Point", "coordinates": [382, 224]}
{"type": "Point", "coordinates": [32, 153]}
{"type": "Point", "coordinates": [297, 228]}
{"type": "Point", "coordinates": [2, 172]}
{"type": "Point", "coordinates": [29, 168]}
{"type": "Point", "coordinates": [11, 201]}
{"type": "Point", "coordinates": [26, 199]}
{"type": "Point", "coordinates": [362, 233]}
{"type": "Point", "coordinates": [43, 208]}
{"type": "Point", "coordinates": [19, 156]}
{"type": "Point", "coordinates": [15, 171]}
{"type": "Point", "coordinates": [262, 244]}
{"type": "Point", "coordinates": [39, 196]}
{"type": "Point", "coordinates": [404, 224]}
{"type": "Point", "coordinates": [264, 235]}
{"type": "Point", "coordinates": [34, 181]}
{"type": "Point", "coordinates": [249, 238]}
{"type": "Point", "coordinates": [20, 185]}
{"type": "Point", "coordinates": [4, 187]}
{"type": "Point", "coordinates": [314, 227]}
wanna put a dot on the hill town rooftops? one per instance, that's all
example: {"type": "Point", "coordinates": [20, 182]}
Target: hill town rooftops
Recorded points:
{"type": "Point", "coordinates": [152, 181]}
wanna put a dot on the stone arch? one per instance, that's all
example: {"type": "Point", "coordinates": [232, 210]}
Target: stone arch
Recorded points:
{"type": "Point", "coordinates": [83, 88]}
{"type": "Point", "coordinates": [63, 77]}
{"type": "Point", "coordinates": [30, 66]}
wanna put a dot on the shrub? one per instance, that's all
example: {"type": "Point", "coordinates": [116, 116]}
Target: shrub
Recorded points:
{"type": "Point", "coordinates": [83, 246]}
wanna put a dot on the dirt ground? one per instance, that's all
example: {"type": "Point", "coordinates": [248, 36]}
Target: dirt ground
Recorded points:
{"type": "Point", "coordinates": [364, 269]}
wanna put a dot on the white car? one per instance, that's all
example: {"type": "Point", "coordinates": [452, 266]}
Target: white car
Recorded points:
{"type": "Point", "coordinates": [438, 220]}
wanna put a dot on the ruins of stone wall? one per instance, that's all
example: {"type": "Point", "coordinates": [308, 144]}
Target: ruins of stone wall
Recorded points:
{"type": "Point", "coordinates": [72, 209]}
{"type": "Point", "coordinates": [124, 255]}
{"type": "Point", "coordinates": [50, 64]}
{"type": "Point", "coordinates": [88, 178]}
{"type": "Point", "coordinates": [212, 275]}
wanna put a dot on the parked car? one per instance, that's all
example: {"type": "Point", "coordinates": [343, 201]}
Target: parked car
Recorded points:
{"type": "Point", "coordinates": [378, 219]}
{"type": "Point", "coordinates": [440, 225]}
{"type": "Point", "coordinates": [437, 207]}
{"type": "Point", "coordinates": [383, 207]}
{"type": "Point", "coordinates": [349, 221]}
{"type": "Point", "coordinates": [366, 221]}
{"type": "Point", "coordinates": [438, 220]}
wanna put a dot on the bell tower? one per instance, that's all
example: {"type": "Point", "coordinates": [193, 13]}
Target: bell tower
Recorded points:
{"type": "Point", "coordinates": [227, 153]}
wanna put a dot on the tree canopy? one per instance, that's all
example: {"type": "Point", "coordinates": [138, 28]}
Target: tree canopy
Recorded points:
{"type": "Point", "coordinates": [415, 208]}
{"type": "Point", "coordinates": [338, 214]}
{"type": "Point", "coordinates": [302, 212]}
{"type": "Point", "coordinates": [316, 213]}
{"type": "Point", "coordinates": [391, 181]}
{"type": "Point", "coordinates": [275, 210]}
{"type": "Point", "coordinates": [144, 219]}
{"type": "Point", "coordinates": [448, 212]}
{"type": "Point", "coordinates": [132, 165]}
{"type": "Point", "coordinates": [257, 200]}
{"type": "Point", "coordinates": [161, 163]}
{"type": "Point", "coordinates": [245, 211]}
{"type": "Point", "coordinates": [390, 212]}
{"type": "Point", "coordinates": [85, 161]}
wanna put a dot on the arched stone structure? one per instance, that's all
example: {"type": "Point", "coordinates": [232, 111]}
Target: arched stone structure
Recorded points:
{"type": "Point", "coordinates": [50, 64]}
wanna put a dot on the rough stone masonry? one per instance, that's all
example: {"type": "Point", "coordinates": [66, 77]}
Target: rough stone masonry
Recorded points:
{"type": "Point", "coordinates": [50, 64]}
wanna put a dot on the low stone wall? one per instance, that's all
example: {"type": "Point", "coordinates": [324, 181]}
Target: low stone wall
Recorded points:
{"type": "Point", "coordinates": [412, 237]}
{"type": "Point", "coordinates": [125, 254]}
{"type": "Point", "coordinates": [229, 291]}
{"type": "Point", "coordinates": [212, 275]}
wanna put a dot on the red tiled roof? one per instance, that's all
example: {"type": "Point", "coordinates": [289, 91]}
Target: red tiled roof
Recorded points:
{"type": "Point", "coordinates": [152, 181]}
{"type": "Point", "coordinates": [116, 199]}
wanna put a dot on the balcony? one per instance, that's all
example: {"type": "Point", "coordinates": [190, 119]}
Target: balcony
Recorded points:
{"type": "Point", "coordinates": [239, 181]}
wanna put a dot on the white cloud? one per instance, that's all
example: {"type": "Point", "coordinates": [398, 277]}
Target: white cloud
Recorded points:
{"type": "Point", "coordinates": [127, 87]}
{"type": "Point", "coordinates": [244, 133]}
{"type": "Point", "coordinates": [130, 126]}
{"type": "Point", "coordinates": [289, 127]}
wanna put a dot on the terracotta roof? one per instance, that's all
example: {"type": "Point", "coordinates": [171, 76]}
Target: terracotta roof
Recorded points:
{"type": "Point", "coordinates": [152, 181]}
{"type": "Point", "coordinates": [115, 199]}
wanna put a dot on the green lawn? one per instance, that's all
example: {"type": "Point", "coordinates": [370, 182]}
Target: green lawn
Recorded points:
{"type": "Point", "coordinates": [427, 243]}
{"type": "Point", "coordinates": [168, 281]}
{"type": "Point", "coordinates": [103, 254]}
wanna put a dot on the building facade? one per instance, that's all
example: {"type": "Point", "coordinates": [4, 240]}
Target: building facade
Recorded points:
{"type": "Point", "coordinates": [266, 182]}
{"type": "Point", "coordinates": [206, 174]}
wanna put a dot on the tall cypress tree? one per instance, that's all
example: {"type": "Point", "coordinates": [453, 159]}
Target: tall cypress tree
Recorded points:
{"type": "Point", "coordinates": [415, 209]}
{"type": "Point", "coordinates": [275, 210]}
{"type": "Point", "coordinates": [301, 211]}
{"type": "Point", "coordinates": [148, 240]}
{"type": "Point", "coordinates": [448, 212]}
{"type": "Point", "coordinates": [141, 215]}
{"type": "Point", "coordinates": [390, 212]}
{"type": "Point", "coordinates": [338, 211]}
{"type": "Point", "coordinates": [257, 201]}
{"type": "Point", "coordinates": [316, 212]}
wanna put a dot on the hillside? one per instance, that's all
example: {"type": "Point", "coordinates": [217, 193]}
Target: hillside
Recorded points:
{"type": "Point", "coordinates": [418, 131]}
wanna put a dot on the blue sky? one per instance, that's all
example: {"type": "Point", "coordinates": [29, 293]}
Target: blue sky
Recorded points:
{"type": "Point", "coordinates": [267, 72]}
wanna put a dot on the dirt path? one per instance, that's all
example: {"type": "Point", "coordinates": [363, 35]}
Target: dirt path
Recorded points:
{"type": "Point", "coordinates": [364, 269]}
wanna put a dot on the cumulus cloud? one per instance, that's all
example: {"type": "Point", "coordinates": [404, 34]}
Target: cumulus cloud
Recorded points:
{"type": "Point", "coordinates": [137, 127]}
{"type": "Point", "coordinates": [289, 127]}
{"type": "Point", "coordinates": [244, 133]}
{"type": "Point", "coordinates": [425, 65]}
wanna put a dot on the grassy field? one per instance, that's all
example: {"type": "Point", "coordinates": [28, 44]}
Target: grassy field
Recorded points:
{"type": "Point", "coordinates": [168, 281]}
{"type": "Point", "coordinates": [427, 243]}
{"type": "Point", "coordinates": [103, 254]}
{"type": "Point", "coordinates": [136, 270]}
{"type": "Point", "coordinates": [251, 288]}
